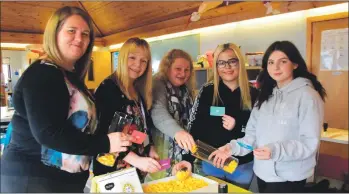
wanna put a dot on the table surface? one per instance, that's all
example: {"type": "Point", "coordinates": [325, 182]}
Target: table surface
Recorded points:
{"type": "Point", "coordinates": [6, 115]}
{"type": "Point", "coordinates": [335, 135]}
{"type": "Point", "coordinates": [231, 188]}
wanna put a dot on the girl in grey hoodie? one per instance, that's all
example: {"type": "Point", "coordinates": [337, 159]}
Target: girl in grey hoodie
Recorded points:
{"type": "Point", "coordinates": [284, 127]}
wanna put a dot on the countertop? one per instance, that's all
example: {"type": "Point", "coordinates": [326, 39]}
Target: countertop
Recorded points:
{"type": "Point", "coordinates": [6, 115]}
{"type": "Point", "coordinates": [335, 135]}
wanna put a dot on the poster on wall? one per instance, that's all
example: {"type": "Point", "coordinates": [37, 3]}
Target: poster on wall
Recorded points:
{"type": "Point", "coordinates": [334, 50]}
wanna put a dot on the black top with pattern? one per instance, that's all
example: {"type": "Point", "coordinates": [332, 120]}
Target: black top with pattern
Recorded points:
{"type": "Point", "coordinates": [52, 133]}
{"type": "Point", "coordinates": [109, 99]}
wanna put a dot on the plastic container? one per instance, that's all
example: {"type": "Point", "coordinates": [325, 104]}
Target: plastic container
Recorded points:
{"type": "Point", "coordinates": [204, 151]}
{"type": "Point", "coordinates": [119, 123]}
{"type": "Point", "coordinates": [212, 186]}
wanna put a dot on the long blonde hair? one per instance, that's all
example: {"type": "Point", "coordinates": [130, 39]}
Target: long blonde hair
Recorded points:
{"type": "Point", "coordinates": [242, 81]}
{"type": "Point", "coordinates": [168, 59]}
{"type": "Point", "coordinates": [50, 46]}
{"type": "Point", "coordinates": [143, 84]}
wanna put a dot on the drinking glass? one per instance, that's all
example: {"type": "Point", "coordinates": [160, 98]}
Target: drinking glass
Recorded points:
{"type": "Point", "coordinates": [204, 151]}
{"type": "Point", "coordinates": [120, 122]}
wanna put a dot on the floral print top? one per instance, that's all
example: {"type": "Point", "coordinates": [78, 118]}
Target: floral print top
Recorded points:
{"type": "Point", "coordinates": [109, 99]}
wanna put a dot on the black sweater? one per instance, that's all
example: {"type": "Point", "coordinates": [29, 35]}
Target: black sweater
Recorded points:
{"type": "Point", "coordinates": [109, 99]}
{"type": "Point", "coordinates": [209, 129]}
{"type": "Point", "coordinates": [42, 105]}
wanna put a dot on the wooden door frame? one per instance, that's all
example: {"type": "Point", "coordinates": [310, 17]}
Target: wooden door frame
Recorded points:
{"type": "Point", "coordinates": [309, 38]}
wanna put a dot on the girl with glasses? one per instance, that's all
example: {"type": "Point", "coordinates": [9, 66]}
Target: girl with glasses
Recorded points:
{"type": "Point", "coordinates": [229, 89]}
{"type": "Point", "coordinates": [284, 128]}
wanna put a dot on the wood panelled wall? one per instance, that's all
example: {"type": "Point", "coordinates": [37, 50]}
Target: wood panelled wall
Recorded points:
{"type": "Point", "coordinates": [101, 68]}
{"type": "Point", "coordinates": [31, 16]}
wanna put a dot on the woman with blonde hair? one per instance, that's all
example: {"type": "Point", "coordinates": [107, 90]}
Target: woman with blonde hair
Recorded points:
{"type": "Point", "coordinates": [53, 137]}
{"type": "Point", "coordinates": [285, 125]}
{"type": "Point", "coordinates": [173, 91]}
{"type": "Point", "coordinates": [229, 89]}
{"type": "Point", "coordinates": [128, 90]}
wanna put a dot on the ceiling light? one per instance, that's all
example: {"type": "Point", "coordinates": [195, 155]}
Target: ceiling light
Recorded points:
{"type": "Point", "coordinates": [331, 9]}
{"type": "Point", "coordinates": [13, 45]}
{"type": "Point", "coordinates": [115, 46]}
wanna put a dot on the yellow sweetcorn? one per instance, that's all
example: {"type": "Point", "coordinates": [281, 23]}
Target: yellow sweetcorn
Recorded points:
{"type": "Point", "coordinates": [230, 168]}
{"type": "Point", "coordinates": [107, 159]}
{"type": "Point", "coordinates": [194, 149]}
{"type": "Point", "coordinates": [182, 175]}
{"type": "Point", "coordinates": [177, 186]}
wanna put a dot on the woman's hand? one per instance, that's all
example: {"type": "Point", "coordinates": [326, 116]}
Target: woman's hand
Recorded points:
{"type": "Point", "coordinates": [184, 140]}
{"type": "Point", "coordinates": [180, 165]}
{"type": "Point", "coordinates": [119, 142]}
{"type": "Point", "coordinates": [147, 164]}
{"type": "Point", "coordinates": [263, 153]}
{"type": "Point", "coordinates": [220, 156]}
{"type": "Point", "coordinates": [153, 154]}
{"type": "Point", "coordinates": [228, 122]}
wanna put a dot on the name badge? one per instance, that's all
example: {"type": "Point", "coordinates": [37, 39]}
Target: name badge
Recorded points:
{"type": "Point", "coordinates": [217, 111]}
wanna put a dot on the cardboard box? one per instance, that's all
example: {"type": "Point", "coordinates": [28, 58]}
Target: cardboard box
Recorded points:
{"type": "Point", "coordinates": [212, 186]}
{"type": "Point", "coordinates": [123, 181]}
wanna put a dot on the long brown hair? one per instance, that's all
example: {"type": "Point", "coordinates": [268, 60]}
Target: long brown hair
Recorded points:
{"type": "Point", "coordinates": [267, 83]}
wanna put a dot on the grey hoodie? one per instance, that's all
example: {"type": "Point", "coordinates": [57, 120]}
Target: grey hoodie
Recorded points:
{"type": "Point", "coordinates": [289, 123]}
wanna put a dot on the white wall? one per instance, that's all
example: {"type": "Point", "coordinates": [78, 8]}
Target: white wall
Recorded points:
{"type": "Point", "coordinates": [256, 35]}
{"type": "Point", "coordinates": [18, 62]}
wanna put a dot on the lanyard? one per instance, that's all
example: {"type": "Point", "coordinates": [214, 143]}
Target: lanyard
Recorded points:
{"type": "Point", "coordinates": [143, 115]}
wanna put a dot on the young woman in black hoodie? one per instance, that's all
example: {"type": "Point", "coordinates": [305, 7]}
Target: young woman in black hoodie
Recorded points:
{"type": "Point", "coordinates": [230, 89]}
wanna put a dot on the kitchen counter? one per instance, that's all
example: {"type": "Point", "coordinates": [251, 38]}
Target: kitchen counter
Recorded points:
{"type": "Point", "coordinates": [335, 135]}
{"type": "Point", "coordinates": [333, 154]}
{"type": "Point", "coordinates": [6, 115]}
{"type": "Point", "coordinates": [231, 188]}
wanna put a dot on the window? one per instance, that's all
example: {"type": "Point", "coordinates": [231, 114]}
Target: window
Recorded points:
{"type": "Point", "coordinates": [115, 57]}
{"type": "Point", "coordinates": [6, 69]}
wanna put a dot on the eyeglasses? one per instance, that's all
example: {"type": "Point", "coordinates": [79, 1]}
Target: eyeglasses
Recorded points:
{"type": "Point", "coordinates": [233, 63]}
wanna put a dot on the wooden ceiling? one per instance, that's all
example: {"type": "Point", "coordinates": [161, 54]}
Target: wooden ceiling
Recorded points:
{"type": "Point", "coordinates": [30, 17]}
{"type": "Point", "coordinates": [116, 21]}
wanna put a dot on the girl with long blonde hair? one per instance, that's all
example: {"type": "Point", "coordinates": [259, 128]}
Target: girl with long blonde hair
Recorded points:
{"type": "Point", "coordinates": [229, 90]}
{"type": "Point", "coordinates": [128, 90]}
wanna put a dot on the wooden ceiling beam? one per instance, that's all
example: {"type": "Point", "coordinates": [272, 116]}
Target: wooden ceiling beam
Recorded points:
{"type": "Point", "coordinates": [99, 42]}
{"type": "Point", "coordinates": [225, 14]}
{"type": "Point", "coordinates": [27, 38]}
{"type": "Point", "coordinates": [221, 15]}
{"type": "Point", "coordinates": [115, 16]}
{"type": "Point", "coordinates": [23, 38]}
{"type": "Point", "coordinates": [94, 23]}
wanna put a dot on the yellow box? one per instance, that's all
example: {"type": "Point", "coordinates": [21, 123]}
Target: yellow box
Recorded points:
{"type": "Point", "coordinates": [212, 186]}
{"type": "Point", "coordinates": [231, 188]}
